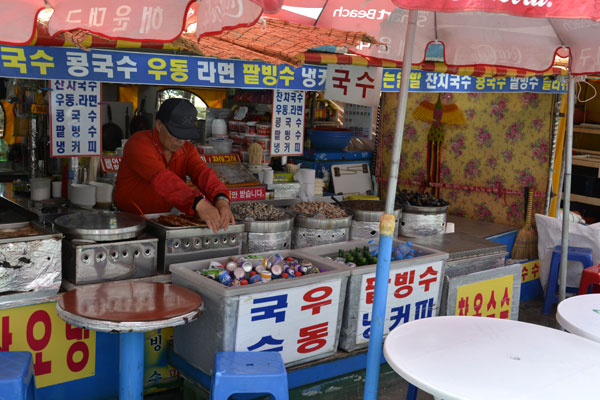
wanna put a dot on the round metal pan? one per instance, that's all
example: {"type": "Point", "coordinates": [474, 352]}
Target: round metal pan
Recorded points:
{"type": "Point", "coordinates": [100, 226]}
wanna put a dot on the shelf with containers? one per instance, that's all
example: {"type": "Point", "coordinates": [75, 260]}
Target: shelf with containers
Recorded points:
{"type": "Point", "coordinates": [415, 289]}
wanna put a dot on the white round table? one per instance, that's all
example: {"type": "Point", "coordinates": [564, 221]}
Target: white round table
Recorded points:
{"type": "Point", "coordinates": [580, 315]}
{"type": "Point", "coordinates": [456, 357]}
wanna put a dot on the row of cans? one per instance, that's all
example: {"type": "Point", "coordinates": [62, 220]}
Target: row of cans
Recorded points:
{"type": "Point", "coordinates": [256, 269]}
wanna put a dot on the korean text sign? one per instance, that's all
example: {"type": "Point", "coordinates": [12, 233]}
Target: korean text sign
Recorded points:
{"type": "Point", "coordinates": [114, 66]}
{"type": "Point", "coordinates": [75, 118]}
{"type": "Point", "coordinates": [353, 84]}
{"type": "Point", "coordinates": [298, 323]}
{"type": "Point", "coordinates": [61, 352]}
{"type": "Point", "coordinates": [489, 298]}
{"type": "Point", "coordinates": [287, 131]}
{"type": "Point", "coordinates": [413, 294]}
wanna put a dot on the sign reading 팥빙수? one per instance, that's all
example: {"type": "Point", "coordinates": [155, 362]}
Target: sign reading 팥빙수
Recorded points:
{"type": "Point", "coordinates": [75, 118]}
{"type": "Point", "coordinates": [113, 66]}
{"type": "Point", "coordinates": [413, 294]}
{"type": "Point", "coordinates": [299, 322]}
{"type": "Point", "coordinates": [287, 131]}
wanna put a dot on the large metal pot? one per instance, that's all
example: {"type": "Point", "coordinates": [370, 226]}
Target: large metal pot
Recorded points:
{"type": "Point", "coordinates": [311, 231]}
{"type": "Point", "coordinates": [261, 236]}
{"type": "Point", "coordinates": [365, 224]}
{"type": "Point", "coordinates": [423, 221]}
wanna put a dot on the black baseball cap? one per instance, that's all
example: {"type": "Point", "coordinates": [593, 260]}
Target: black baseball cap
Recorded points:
{"type": "Point", "coordinates": [179, 116]}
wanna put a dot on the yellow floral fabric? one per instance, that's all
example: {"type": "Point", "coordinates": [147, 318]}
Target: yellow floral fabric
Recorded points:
{"type": "Point", "coordinates": [505, 143]}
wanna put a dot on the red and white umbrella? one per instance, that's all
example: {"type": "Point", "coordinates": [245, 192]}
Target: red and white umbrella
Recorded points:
{"type": "Point", "coordinates": [135, 20]}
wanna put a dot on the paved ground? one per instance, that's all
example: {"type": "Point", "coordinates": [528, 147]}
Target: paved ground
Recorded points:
{"type": "Point", "coordinates": [350, 387]}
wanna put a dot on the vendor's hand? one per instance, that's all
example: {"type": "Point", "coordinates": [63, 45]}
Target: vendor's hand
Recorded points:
{"type": "Point", "coordinates": [225, 212]}
{"type": "Point", "coordinates": [209, 214]}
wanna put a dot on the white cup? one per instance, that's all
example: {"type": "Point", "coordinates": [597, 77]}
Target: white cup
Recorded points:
{"type": "Point", "coordinates": [56, 189]}
{"type": "Point", "coordinates": [267, 176]}
{"type": "Point", "coordinates": [40, 188]}
{"type": "Point", "coordinates": [449, 227]}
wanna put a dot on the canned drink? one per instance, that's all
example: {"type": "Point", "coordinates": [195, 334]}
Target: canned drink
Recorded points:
{"type": "Point", "coordinates": [215, 265]}
{"type": "Point", "coordinates": [259, 268]}
{"type": "Point", "coordinates": [290, 271]}
{"type": "Point", "coordinates": [255, 279]}
{"type": "Point", "coordinates": [276, 271]}
{"type": "Point", "coordinates": [224, 278]}
{"type": "Point", "coordinates": [247, 266]}
{"type": "Point", "coordinates": [300, 268]}
{"type": "Point", "coordinates": [211, 273]}
{"type": "Point", "coordinates": [239, 273]}
{"type": "Point", "coordinates": [231, 266]}
{"type": "Point", "coordinates": [265, 276]}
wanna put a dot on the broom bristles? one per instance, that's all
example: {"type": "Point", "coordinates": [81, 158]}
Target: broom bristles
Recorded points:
{"type": "Point", "coordinates": [525, 247]}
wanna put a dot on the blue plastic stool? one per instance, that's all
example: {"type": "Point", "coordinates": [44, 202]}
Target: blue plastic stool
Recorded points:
{"type": "Point", "coordinates": [581, 254]}
{"type": "Point", "coordinates": [17, 381]}
{"type": "Point", "coordinates": [249, 372]}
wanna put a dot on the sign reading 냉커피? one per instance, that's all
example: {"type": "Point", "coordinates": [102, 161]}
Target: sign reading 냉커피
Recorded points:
{"type": "Point", "coordinates": [299, 322]}
{"type": "Point", "coordinates": [489, 298]}
{"type": "Point", "coordinates": [61, 352]}
{"type": "Point", "coordinates": [287, 130]}
{"type": "Point", "coordinates": [353, 84]}
{"type": "Point", "coordinates": [75, 118]}
{"type": "Point", "coordinates": [413, 294]}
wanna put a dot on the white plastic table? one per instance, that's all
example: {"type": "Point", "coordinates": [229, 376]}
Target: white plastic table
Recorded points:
{"type": "Point", "coordinates": [456, 357]}
{"type": "Point", "coordinates": [580, 315]}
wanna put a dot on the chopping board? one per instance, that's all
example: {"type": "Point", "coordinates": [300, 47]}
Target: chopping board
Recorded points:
{"type": "Point", "coordinates": [351, 178]}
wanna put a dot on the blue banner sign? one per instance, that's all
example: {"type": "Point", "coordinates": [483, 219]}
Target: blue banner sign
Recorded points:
{"type": "Point", "coordinates": [130, 67]}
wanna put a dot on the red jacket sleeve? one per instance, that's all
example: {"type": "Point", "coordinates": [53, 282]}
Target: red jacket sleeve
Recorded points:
{"type": "Point", "coordinates": [168, 185]}
{"type": "Point", "coordinates": [204, 177]}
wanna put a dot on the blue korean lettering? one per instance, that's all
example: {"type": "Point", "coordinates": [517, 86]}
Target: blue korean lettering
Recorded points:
{"type": "Point", "coordinates": [60, 131]}
{"type": "Point", "coordinates": [75, 131]}
{"type": "Point", "coordinates": [424, 308]}
{"type": "Point", "coordinates": [71, 85]}
{"type": "Point", "coordinates": [286, 147]}
{"type": "Point", "coordinates": [82, 100]}
{"type": "Point", "coordinates": [75, 146]}
{"type": "Point", "coordinates": [267, 341]}
{"type": "Point", "coordinates": [70, 99]}
{"type": "Point", "coordinates": [92, 115]}
{"type": "Point", "coordinates": [366, 322]}
{"type": "Point", "coordinates": [92, 131]}
{"type": "Point", "coordinates": [270, 310]}
{"type": "Point", "coordinates": [92, 146]}
{"type": "Point", "coordinates": [60, 146]}
{"type": "Point", "coordinates": [401, 313]}
{"type": "Point", "coordinates": [155, 377]}
{"type": "Point", "coordinates": [60, 115]}
{"type": "Point", "coordinates": [76, 115]}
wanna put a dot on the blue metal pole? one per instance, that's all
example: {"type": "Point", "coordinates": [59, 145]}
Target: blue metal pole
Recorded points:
{"type": "Point", "coordinates": [131, 366]}
{"type": "Point", "coordinates": [387, 223]}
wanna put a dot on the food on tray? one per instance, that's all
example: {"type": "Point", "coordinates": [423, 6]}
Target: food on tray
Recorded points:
{"type": "Point", "coordinates": [419, 200]}
{"type": "Point", "coordinates": [256, 269]}
{"type": "Point", "coordinates": [258, 212]}
{"type": "Point", "coordinates": [179, 221]}
{"type": "Point", "coordinates": [319, 208]}
{"type": "Point", "coordinates": [8, 233]}
{"type": "Point", "coordinates": [234, 175]}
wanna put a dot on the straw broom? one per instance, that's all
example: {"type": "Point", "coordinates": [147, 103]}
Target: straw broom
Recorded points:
{"type": "Point", "coordinates": [525, 247]}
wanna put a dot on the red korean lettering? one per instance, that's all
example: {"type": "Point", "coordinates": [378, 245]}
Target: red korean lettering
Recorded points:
{"type": "Point", "coordinates": [492, 302]}
{"type": "Point", "coordinates": [370, 288]}
{"type": "Point", "coordinates": [505, 299]}
{"type": "Point", "coordinates": [78, 347]}
{"type": "Point", "coordinates": [535, 270]}
{"type": "Point", "coordinates": [505, 314]}
{"type": "Point", "coordinates": [404, 280]}
{"type": "Point", "coordinates": [317, 296]}
{"type": "Point", "coordinates": [6, 337]}
{"type": "Point", "coordinates": [524, 272]}
{"type": "Point", "coordinates": [428, 282]}
{"type": "Point", "coordinates": [341, 80]}
{"type": "Point", "coordinates": [463, 306]}
{"type": "Point", "coordinates": [312, 338]}
{"type": "Point", "coordinates": [75, 333]}
{"type": "Point", "coordinates": [41, 367]}
{"type": "Point", "coordinates": [477, 304]}
{"type": "Point", "coordinates": [365, 86]}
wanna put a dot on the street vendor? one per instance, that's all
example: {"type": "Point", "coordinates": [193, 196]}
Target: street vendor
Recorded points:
{"type": "Point", "coordinates": [152, 173]}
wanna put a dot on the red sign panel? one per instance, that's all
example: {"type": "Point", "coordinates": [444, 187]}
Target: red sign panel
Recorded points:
{"type": "Point", "coordinates": [248, 193]}
{"type": "Point", "coordinates": [220, 158]}
{"type": "Point", "coordinates": [110, 164]}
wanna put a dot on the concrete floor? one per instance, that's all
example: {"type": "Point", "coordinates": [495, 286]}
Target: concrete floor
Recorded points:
{"type": "Point", "coordinates": [351, 386]}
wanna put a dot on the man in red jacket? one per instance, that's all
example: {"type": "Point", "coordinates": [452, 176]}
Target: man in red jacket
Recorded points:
{"type": "Point", "coordinates": [152, 173]}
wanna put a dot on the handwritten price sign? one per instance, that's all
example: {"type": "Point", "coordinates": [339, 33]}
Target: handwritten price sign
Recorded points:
{"type": "Point", "coordinates": [61, 352]}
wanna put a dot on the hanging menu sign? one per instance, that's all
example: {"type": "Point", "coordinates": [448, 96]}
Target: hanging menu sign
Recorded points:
{"type": "Point", "coordinates": [75, 123]}
{"type": "Point", "coordinates": [287, 133]}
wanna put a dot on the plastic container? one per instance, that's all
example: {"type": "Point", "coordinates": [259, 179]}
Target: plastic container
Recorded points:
{"type": "Point", "coordinates": [221, 146]}
{"type": "Point", "coordinates": [263, 130]}
{"type": "Point", "coordinates": [228, 324]}
{"type": "Point", "coordinates": [104, 193]}
{"type": "Point", "coordinates": [206, 149]}
{"type": "Point", "coordinates": [264, 141]}
{"type": "Point", "coordinates": [219, 127]}
{"type": "Point", "coordinates": [251, 127]}
{"type": "Point", "coordinates": [82, 195]}
{"type": "Point", "coordinates": [40, 188]}
{"type": "Point", "coordinates": [330, 139]}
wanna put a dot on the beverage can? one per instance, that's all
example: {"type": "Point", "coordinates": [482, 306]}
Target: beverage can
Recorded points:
{"type": "Point", "coordinates": [224, 278]}
{"type": "Point", "coordinates": [239, 273]}
{"type": "Point", "coordinates": [255, 279]}
{"type": "Point", "coordinates": [265, 276]}
{"type": "Point", "coordinates": [231, 266]}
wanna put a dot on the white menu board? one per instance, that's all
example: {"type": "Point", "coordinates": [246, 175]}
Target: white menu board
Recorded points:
{"type": "Point", "coordinates": [75, 118]}
{"type": "Point", "coordinates": [287, 131]}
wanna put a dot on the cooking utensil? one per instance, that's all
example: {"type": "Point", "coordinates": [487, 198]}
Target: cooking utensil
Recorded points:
{"type": "Point", "coordinates": [139, 122]}
{"type": "Point", "coordinates": [111, 133]}
{"type": "Point", "coordinates": [101, 226]}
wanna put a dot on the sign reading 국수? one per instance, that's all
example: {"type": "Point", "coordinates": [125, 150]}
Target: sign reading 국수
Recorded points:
{"type": "Point", "coordinates": [353, 84]}
{"type": "Point", "coordinates": [75, 118]}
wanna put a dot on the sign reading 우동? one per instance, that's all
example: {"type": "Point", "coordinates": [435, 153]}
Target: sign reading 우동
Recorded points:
{"type": "Point", "coordinates": [75, 118]}
{"type": "Point", "coordinates": [287, 131]}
